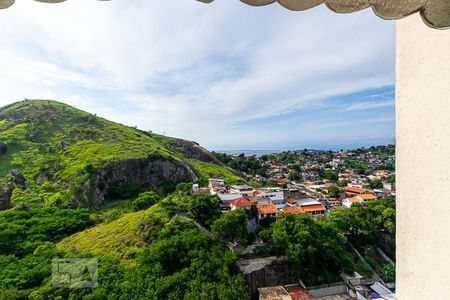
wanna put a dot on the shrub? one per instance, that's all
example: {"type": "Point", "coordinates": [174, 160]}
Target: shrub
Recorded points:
{"type": "Point", "coordinates": [145, 200]}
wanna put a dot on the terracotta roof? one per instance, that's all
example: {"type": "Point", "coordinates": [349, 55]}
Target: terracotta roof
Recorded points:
{"type": "Point", "coordinates": [354, 190]}
{"type": "Point", "coordinates": [242, 202]}
{"type": "Point", "coordinates": [293, 210]}
{"type": "Point", "coordinates": [354, 200]}
{"type": "Point", "coordinates": [266, 209]}
{"type": "Point", "coordinates": [291, 200]}
{"type": "Point", "coordinates": [367, 197]}
{"type": "Point", "coordinates": [298, 293]}
{"type": "Point", "coordinates": [311, 208]}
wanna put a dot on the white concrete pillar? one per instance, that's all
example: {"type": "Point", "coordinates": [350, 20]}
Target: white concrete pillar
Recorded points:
{"type": "Point", "coordinates": [423, 161]}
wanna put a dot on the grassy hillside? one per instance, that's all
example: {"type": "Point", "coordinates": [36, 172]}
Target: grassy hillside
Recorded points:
{"type": "Point", "coordinates": [58, 148]}
{"type": "Point", "coordinates": [119, 238]}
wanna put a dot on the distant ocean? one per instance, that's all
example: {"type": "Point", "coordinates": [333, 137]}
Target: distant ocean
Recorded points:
{"type": "Point", "coordinates": [249, 152]}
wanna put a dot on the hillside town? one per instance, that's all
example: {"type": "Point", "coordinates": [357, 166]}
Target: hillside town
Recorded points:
{"type": "Point", "coordinates": [308, 181]}
{"type": "Point", "coordinates": [313, 183]}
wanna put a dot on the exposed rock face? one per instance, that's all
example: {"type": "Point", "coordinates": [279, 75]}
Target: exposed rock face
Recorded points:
{"type": "Point", "coordinates": [19, 179]}
{"type": "Point", "coordinates": [266, 271]}
{"type": "Point", "coordinates": [146, 173]}
{"type": "Point", "coordinates": [5, 198]}
{"type": "Point", "coordinates": [195, 151]}
{"type": "Point", "coordinates": [3, 148]}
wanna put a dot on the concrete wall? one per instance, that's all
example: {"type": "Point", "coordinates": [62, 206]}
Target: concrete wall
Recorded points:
{"type": "Point", "coordinates": [423, 161]}
{"type": "Point", "coordinates": [329, 290]}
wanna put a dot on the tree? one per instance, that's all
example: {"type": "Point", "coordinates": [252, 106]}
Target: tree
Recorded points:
{"type": "Point", "coordinates": [184, 187]}
{"type": "Point", "coordinates": [334, 191]}
{"type": "Point", "coordinates": [203, 208]}
{"type": "Point", "coordinates": [376, 184]}
{"type": "Point", "coordinates": [294, 176]}
{"type": "Point", "coordinates": [388, 273]}
{"type": "Point", "coordinates": [231, 225]}
{"type": "Point", "coordinates": [343, 183]}
{"type": "Point", "coordinates": [316, 249]}
{"type": "Point", "coordinates": [145, 200]}
{"type": "Point", "coordinates": [366, 224]}
{"type": "Point", "coordinates": [391, 179]}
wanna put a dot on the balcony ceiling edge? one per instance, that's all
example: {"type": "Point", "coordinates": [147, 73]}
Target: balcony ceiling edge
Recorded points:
{"type": "Point", "coordinates": [435, 13]}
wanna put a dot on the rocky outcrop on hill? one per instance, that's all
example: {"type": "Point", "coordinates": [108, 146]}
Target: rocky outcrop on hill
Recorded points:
{"type": "Point", "coordinates": [5, 198]}
{"type": "Point", "coordinates": [3, 148]}
{"type": "Point", "coordinates": [159, 174]}
{"type": "Point", "coordinates": [19, 180]}
{"type": "Point", "coordinates": [195, 151]}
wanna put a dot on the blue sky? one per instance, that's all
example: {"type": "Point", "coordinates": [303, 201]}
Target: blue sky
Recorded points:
{"type": "Point", "coordinates": [226, 75]}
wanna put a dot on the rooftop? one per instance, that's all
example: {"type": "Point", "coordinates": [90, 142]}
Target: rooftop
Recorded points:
{"type": "Point", "coordinates": [264, 209]}
{"type": "Point", "coordinates": [241, 187]}
{"type": "Point", "coordinates": [307, 201]}
{"type": "Point", "coordinates": [291, 200]}
{"type": "Point", "coordinates": [367, 197]}
{"type": "Point", "coordinates": [298, 293]}
{"type": "Point", "coordinates": [354, 190]}
{"type": "Point", "coordinates": [242, 202]}
{"type": "Point", "coordinates": [274, 293]}
{"type": "Point", "coordinates": [354, 200]}
{"type": "Point", "coordinates": [293, 210]}
{"type": "Point", "coordinates": [311, 208]}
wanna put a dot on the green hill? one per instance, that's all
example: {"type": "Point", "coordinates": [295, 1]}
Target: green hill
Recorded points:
{"type": "Point", "coordinates": [54, 154]}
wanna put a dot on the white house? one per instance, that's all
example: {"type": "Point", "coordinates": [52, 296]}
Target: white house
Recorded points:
{"type": "Point", "coordinates": [348, 202]}
{"type": "Point", "coordinates": [245, 190]}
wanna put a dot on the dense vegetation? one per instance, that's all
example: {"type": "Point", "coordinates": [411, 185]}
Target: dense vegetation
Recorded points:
{"type": "Point", "coordinates": [371, 224]}
{"type": "Point", "coordinates": [172, 258]}
{"type": "Point", "coordinates": [316, 249]}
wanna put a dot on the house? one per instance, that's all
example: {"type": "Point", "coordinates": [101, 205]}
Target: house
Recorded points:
{"type": "Point", "coordinates": [242, 203]}
{"type": "Point", "coordinates": [270, 196]}
{"type": "Point", "coordinates": [366, 197]}
{"type": "Point", "coordinates": [216, 183]}
{"type": "Point", "coordinates": [245, 190]}
{"type": "Point", "coordinates": [312, 207]}
{"type": "Point", "coordinates": [353, 191]}
{"type": "Point", "coordinates": [291, 202]}
{"type": "Point", "coordinates": [229, 196]}
{"type": "Point", "coordinates": [333, 203]}
{"type": "Point", "coordinates": [267, 210]}
{"type": "Point", "coordinates": [317, 210]}
{"type": "Point", "coordinates": [348, 202]}
{"type": "Point", "coordinates": [295, 210]}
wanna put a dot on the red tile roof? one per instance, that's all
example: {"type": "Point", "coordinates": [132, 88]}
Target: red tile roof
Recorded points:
{"type": "Point", "coordinates": [354, 200]}
{"type": "Point", "coordinates": [311, 208]}
{"type": "Point", "coordinates": [242, 202]}
{"type": "Point", "coordinates": [264, 209]}
{"type": "Point", "coordinates": [291, 200]}
{"type": "Point", "coordinates": [293, 210]}
{"type": "Point", "coordinates": [354, 190]}
{"type": "Point", "coordinates": [367, 197]}
{"type": "Point", "coordinates": [298, 293]}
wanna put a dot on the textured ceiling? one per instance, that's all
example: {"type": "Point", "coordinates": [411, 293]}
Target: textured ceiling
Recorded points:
{"type": "Point", "coordinates": [435, 13]}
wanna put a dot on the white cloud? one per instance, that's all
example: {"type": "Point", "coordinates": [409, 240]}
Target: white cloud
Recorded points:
{"type": "Point", "coordinates": [190, 69]}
